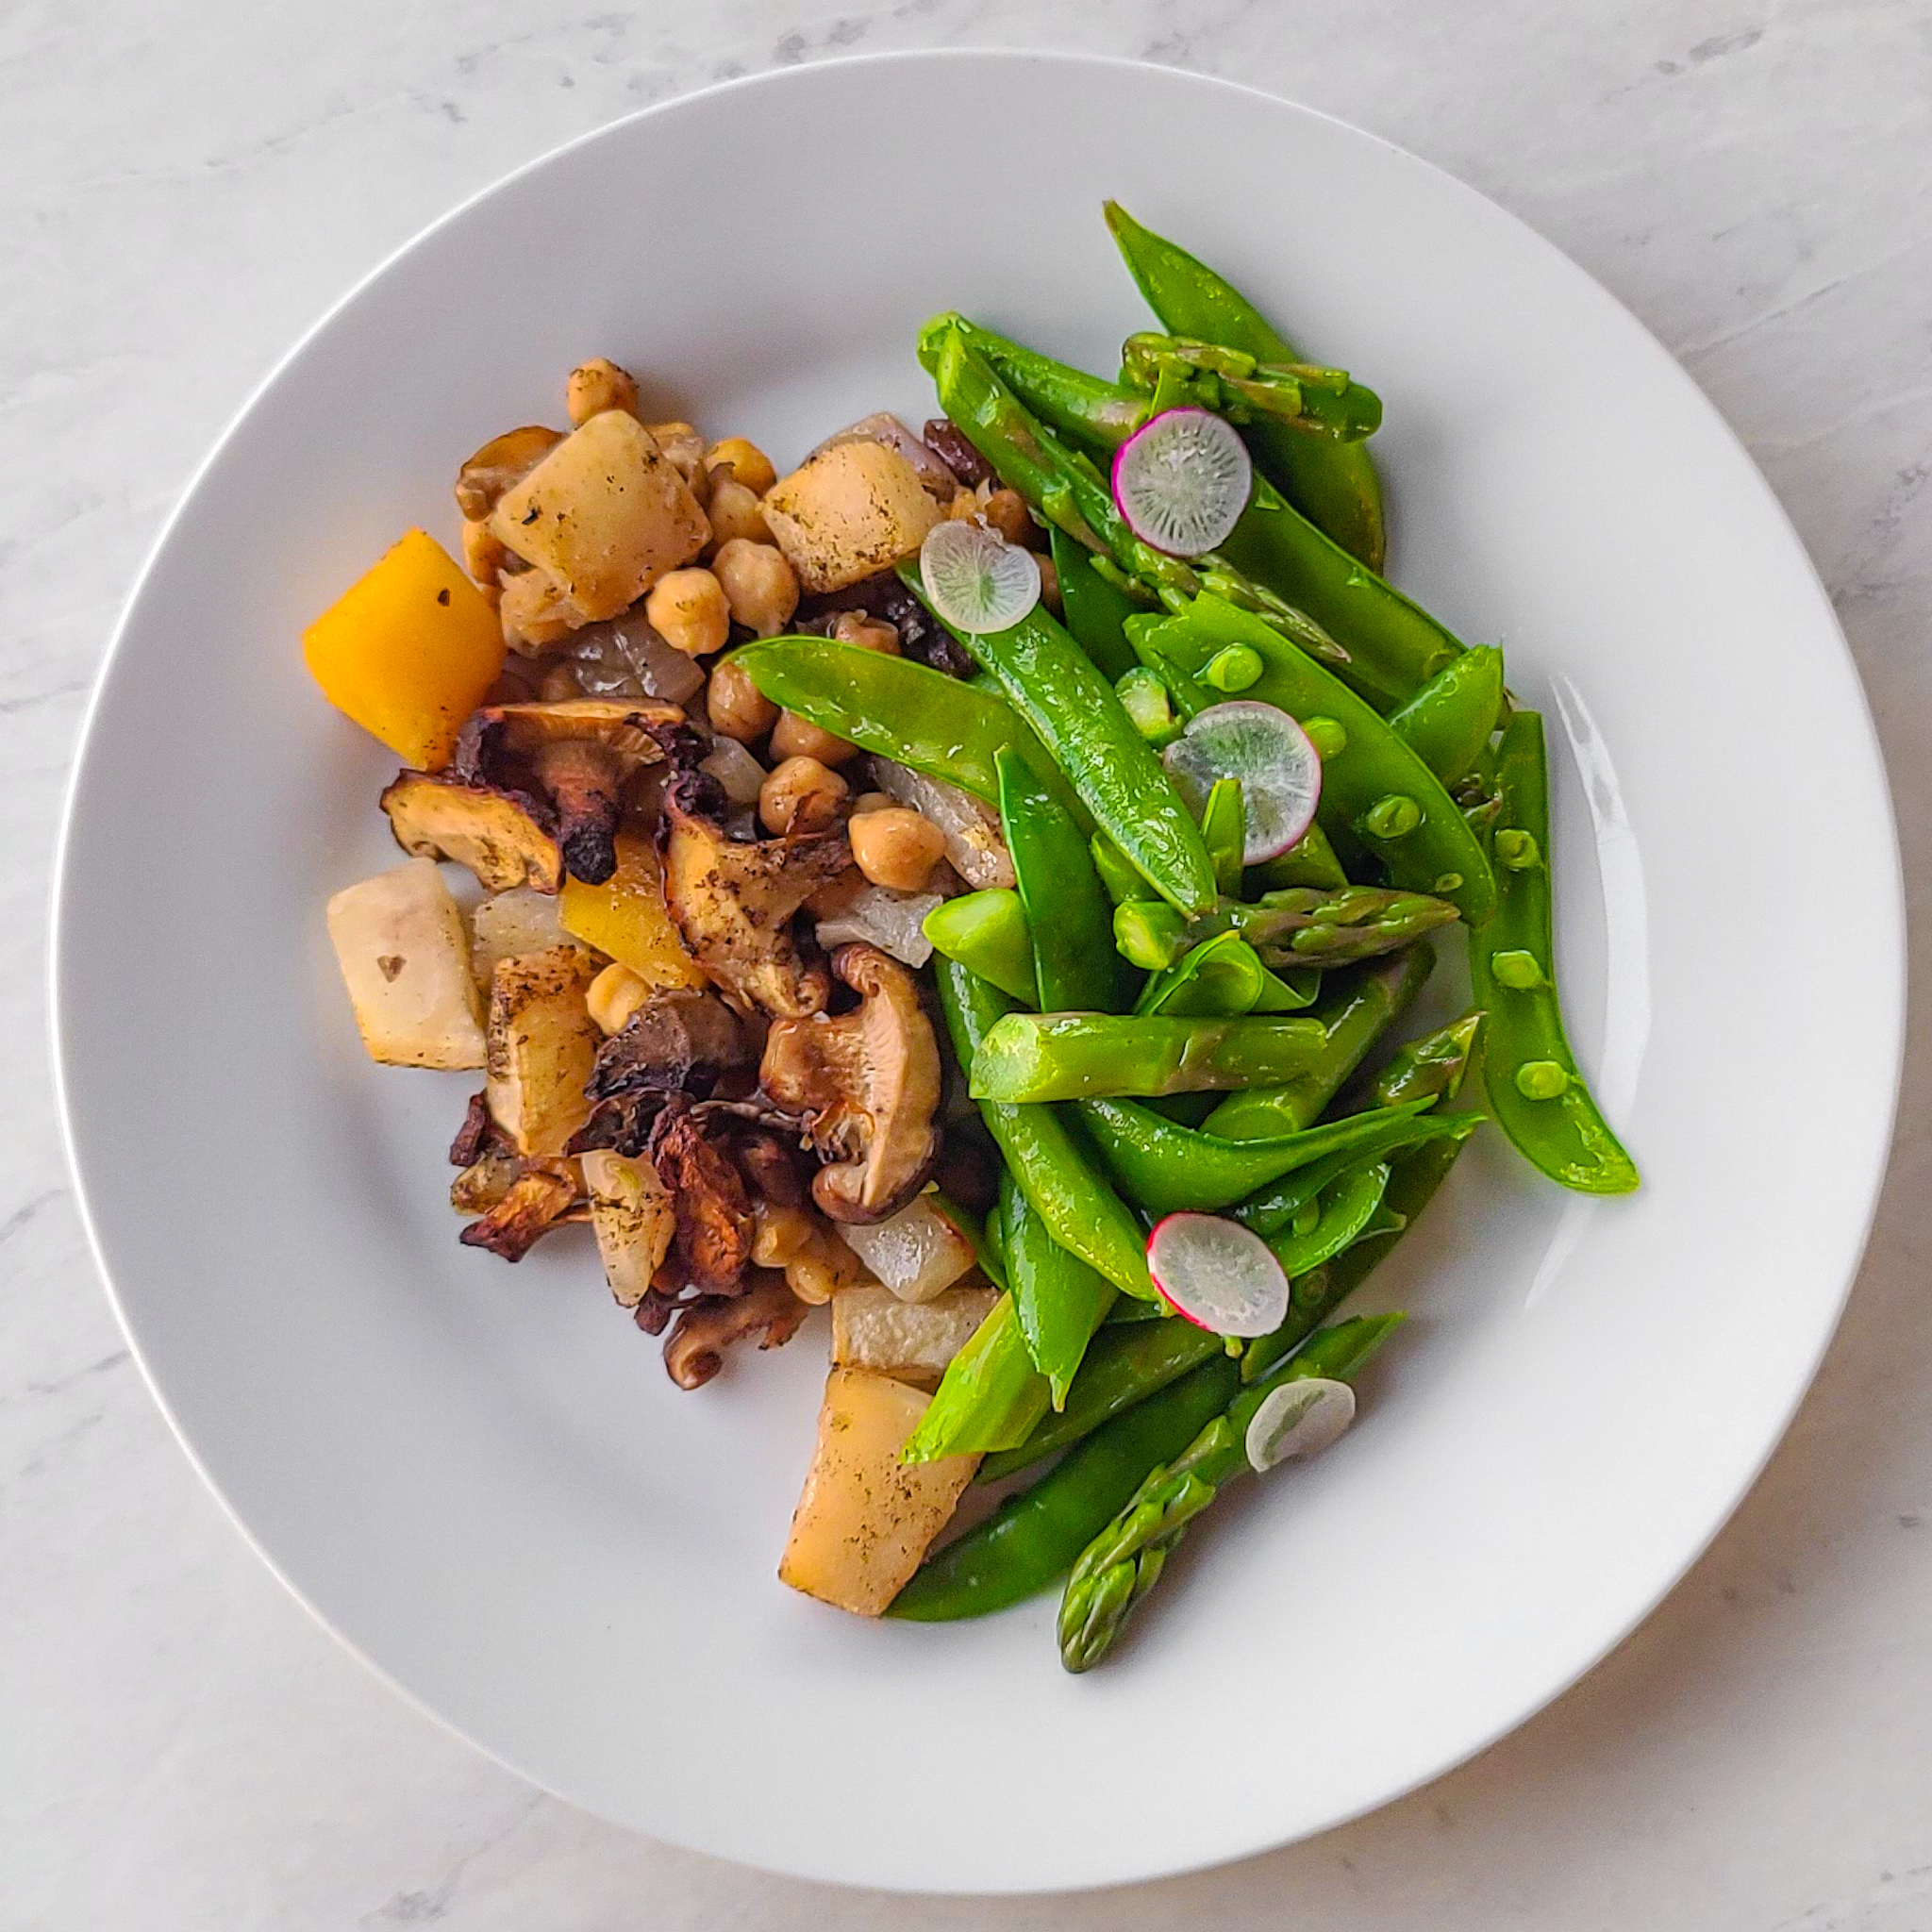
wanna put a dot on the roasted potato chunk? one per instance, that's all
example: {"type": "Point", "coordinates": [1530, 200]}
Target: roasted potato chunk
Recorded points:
{"type": "Point", "coordinates": [541, 1045]}
{"type": "Point", "coordinates": [404, 955]}
{"type": "Point", "coordinates": [851, 511]}
{"type": "Point", "coordinates": [631, 1211]}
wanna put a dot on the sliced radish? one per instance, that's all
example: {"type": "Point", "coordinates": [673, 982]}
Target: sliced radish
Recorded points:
{"type": "Point", "coordinates": [1298, 1420]}
{"type": "Point", "coordinates": [1217, 1275]}
{"type": "Point", "coordinates": [1182, 481]}
{"type": "Point", "coordinates": [975, 580]}
{"type": "Point", "coordinates": [1273, 758]}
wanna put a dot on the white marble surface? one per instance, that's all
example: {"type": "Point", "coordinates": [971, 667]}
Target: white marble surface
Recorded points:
{"type": "Point", "coordinates": [184, 188]}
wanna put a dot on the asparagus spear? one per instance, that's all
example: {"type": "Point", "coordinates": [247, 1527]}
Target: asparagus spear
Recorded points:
{"type": "Point", "coordinates": [1178, 372]}
{"type": "Point", "coordinates": [1115, 1572]}
{"type": "Point", "coordinates": [1296, 925]}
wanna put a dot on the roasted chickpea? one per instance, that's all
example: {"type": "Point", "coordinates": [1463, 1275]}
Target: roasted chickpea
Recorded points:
{"type": "Point", "coordinates": [483, 553]}
{"type": "Point", "coordinates": [1049, 583]}
{"type": "Point", "coordinates": [597, 386]}
{"type": "Point", "coordinates": [897, 848]}
{"type": "Point", "coordinates": [686, 449]}
{"type": "Point", "coordinates": [688, 609]}
{"type": "Point", "coordinates": [801, 794]}
{"type": "Point", "coordinates": [874, 801]}
{"type": "Point", "coordinates": [735, 512]}
{"type": "Point", "coordinates": [760, 584]}
{"type": "Point", "coordinates": [967, 504]}
{"type": "Point", "coordinates": [1006, 510]}
{"type": "Point", "coordinates": [614, 995]}
{"type": "Point", "coordinates": [837, 896]}
{"type": "Point", "coordinates": [534, 612]}
{"type": "Point", "coordinates": [821, 1267]}
{"type": "Point", "coordinates": [793, 737]}
{"type": "Point", "coordinates": [779, 1234]}
{"type": "Point", "coordinates": [736, 708]}
{"type": "Point", "coordinates": [745, 461]}
{"type": "Point", "coordinates": [868, 633]}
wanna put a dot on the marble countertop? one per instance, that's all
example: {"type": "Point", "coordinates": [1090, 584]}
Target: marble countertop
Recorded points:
{"type": "Point", "coordinates": [186, 187]}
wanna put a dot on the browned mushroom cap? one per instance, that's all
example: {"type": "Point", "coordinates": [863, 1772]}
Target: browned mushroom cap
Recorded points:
{"type": "Point", "coordinates": [578, 755]}
{"type": "Point", "coordinates": [734, 902]}
{"type": "Point", "coordinates": [505, 838]}
{"type": "Point", "coordinates": [694, 1350]}
{"type": "Point", "coordinates": [868, 1082]}
{"type": "Point", "coordinates": [538, 1200]}
{"type": "Point", "coordinates": [714, 1223]}
{"type": "Point", "coordinates": [678, 1041]}
{"type": "Point", "coordinates": [503, 460]}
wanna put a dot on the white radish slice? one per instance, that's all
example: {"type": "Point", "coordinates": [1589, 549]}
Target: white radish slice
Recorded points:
{"type": "Point", "coordinates": [975, 580]}
{"type": "Point", "coordinates": [1217, 1274]}
{"type": "Point", "coordinates": [1182, 481]}
{"type": "Point", "coordinates": [1298, 1420]}
{"type": "Point", "coordinates": [1278, 766]}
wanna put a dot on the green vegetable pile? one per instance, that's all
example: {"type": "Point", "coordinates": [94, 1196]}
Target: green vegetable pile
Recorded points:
{"type": "Point", "coordinates": [1149, 1025]}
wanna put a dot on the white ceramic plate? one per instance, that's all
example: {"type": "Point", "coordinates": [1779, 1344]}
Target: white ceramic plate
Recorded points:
{"type": "Point", "coordinates": [479, 1476]}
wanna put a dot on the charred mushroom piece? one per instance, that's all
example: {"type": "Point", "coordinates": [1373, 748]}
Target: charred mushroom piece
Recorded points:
{"type": "Point", "coordinates": [734, 903]}
{"type": "Point", "coordinates": [694, 1350]}
{"type": "Point", "coordinates": [678, 1041]}
{"type": "Point", "coordinates": [538, 1200]}
{"type": "Point", "coordinates": [714, 1222]}
{"type": "Point", "coordinates": [868, 1083]}
{"type": "Point", "coordinates": [507, 838]}
{"type": "Point", "coordinates": [579, 754]}
{"type": "Point", "coordinates": [502, 462]}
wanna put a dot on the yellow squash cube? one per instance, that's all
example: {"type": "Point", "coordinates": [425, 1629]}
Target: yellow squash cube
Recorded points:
{"type": "Point", "coordinates": [409, 651]}
{"type": "Point", "coordinates": [625, 917]}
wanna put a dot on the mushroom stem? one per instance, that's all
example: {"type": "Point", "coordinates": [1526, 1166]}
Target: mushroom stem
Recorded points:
{"type": "Point", "coordinates": [585, 781]}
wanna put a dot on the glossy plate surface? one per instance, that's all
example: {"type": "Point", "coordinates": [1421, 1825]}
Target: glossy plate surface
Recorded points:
{"type": "Point", "coordinates": [481, 1477]}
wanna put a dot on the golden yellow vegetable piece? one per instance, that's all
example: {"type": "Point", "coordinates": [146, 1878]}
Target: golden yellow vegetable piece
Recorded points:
{"type": "Point", "coordinates": [854, 509]}
{"type": "Point", "coordinates": [409, 651]}
{"type": "Point", "coordinates": [606, 513]}
{"type": "Point", "coordinates": [865, 1518]}
{"type": "Point", "coordinates": [625, 917]}
{"type": "Point", "coordinates": [404, 957]}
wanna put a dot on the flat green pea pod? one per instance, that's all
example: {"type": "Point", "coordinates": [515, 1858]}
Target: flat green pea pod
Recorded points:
{"type": "Point", "coordinates": [1057, 1299]}
{"type": "Point", "coordinates": [1224, 975]}
{"type": "Point", "coordinates": [1374, 785]}
{"type": "Point", "coordinates": [1356, 1013]}
{"type": "Point", "coordinates": [1225, 831]}
{"type": "Point", "coordinates": [1067, 911]}
{"type": "Point", "coordinates": [1057, 1175]}
{"type": "Point", "coordinates": [1337, 1217]}
{"type": "Point", "coordinates": [1334, 484]}
{"type": "Point", "coordinates": [1536, 1091]}
{"type": "Point", "coordinates": [1031, 1539]}
{"type": "Point", "coordinates": [986, 932]}
{"type": "Point", "coordinates": [1431, 1067]}
{"type": "Point", "coordinates": [1128, 1361]}
{"type": "Point", "coordinates": [991, 1396]}
{"type": "Point", "coordinates": [1310, 862]}
{"type": "Point", "coordinates": [1093, 608]}
{"type": "Point", "coordinates": [1449, 722]}
{"type": "Point", "coordinates": [1054, 685]}
{"type": "Point", "coordinates": [1272, 1207]}
{"type": "Point", "coordinates": [1041, 1057]}
{"type": "Point", "coordinates": [1123, 883]}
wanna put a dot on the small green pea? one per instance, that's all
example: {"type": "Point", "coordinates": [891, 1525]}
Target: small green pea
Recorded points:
{"type": "Point", "coordinates": [1540, 1079]}
{"type": "Point", "coordinates": [1234, 669]}
{"type": "Point", "coordinates": [1448, 882]}
{"type": "Point", "coordinates": [1394, 817]}
{"type": "Point", "coordinates": [1326, 735]}
{"type": "Point", "coordinates": [1306, 1218]}
{"type": "Point", "coordinates": [1517, 851]}
{"type": "Point", "coordinates": [1517, 971]}
{"type": "Point", "coordinates": [1144, 699]}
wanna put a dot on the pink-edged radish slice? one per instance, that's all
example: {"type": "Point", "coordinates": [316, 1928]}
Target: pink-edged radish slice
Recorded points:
{"type": "Point", "coordinates": [1298, 1420]}
{"type": "Point", "coordinates": [1182, 481]}
{"type": "Point", "coordinates": [1218, 1274]}
{"type": "Point", "coordinates": [975, 579]}
{"type": "Point", "coordinates": [1279, 769]}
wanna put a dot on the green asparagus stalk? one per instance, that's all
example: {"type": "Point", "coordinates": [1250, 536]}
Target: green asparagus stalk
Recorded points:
{"type": "Point", "coordinates": [1175, 372]}
{"type": "Point", "coordinates": [1117, 1569]}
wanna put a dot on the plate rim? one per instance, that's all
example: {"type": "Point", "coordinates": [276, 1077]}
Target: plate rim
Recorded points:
{"type": "Point", "coordinates": [60, 997]}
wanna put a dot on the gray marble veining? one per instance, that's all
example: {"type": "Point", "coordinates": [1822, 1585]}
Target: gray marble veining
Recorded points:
{"type": "Point", "coordinates": [186, 186]}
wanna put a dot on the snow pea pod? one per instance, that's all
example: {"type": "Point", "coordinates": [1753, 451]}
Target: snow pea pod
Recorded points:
{"type": "Point", "coordinates": [1054, 685]}
{"type": "Point", "coordinates": [1379, 1134]}
{"type": "Point", "coordinates": [1167, 1168]}
{"type": "Point", "coordinates": [991, 1396]}
{"type": "Point", "coordinates": [1334, 484]}
{"type": "Point", "coordinates": [1092, 608]}
{"type": "Point", "coordinates": [1431, 1067]}
{"type": "Point", "coordinates": [1374, 785]}
{"type": "Point", "coordinates": [1310, 862]}
{"type": "Point", "coordinates": [1068, 912]}
{"type": "Point", "coordinates": [1225, 976]}
{"type": "Point", "coordinates": [986, 932]}
{"type": "Point", "coordinates": [1337, 1215]}
{"type": "Point", "coordinates": [1536, 1089]}
{"type": "Point", "coordinates": [1057, 1299]}
{"type": "Point", "coordinates": [1041, 1057]}
{"type": "Point", "coordinates": [1449, 721]}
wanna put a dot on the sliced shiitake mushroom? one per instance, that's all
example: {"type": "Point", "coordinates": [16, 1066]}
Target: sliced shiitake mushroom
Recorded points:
{"type": "Point", "coordinates": [714, 1221]}
{"type": "Point", "coordinates": [538, 1200]}
{"type": "Point", "coordinates": [504, 460]}
{"type": "Point", "coordinates": [507, 838]}
{"type": "Point", "coordinates": [868, 1084]}
{"type": "Point", "coordinates": [694, 1350]}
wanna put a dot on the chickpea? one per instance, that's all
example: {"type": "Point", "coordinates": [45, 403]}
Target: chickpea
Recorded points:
{"type": "Point", "coordinates": [597, 386]}
{"type": "Point", "coordinates": [686, 449]}
{"type": "Point", "coordinates": [760, 584]}
{"type": "Point", "coordinates": [1049, 583]}
{"type": "Point", "coordinates": [868, 633]}
{"type": "Point", "coordinates": [686, 609]}
{"type": "Point", "coordinates": [874, 801]}
{"type": "Point", "coordinates": [614, 995]}
{"type": "Point", "coordinates": [736, 708]}
{"type": "Point", "coordinates": [735, 511]}
{"type": "Point", "coordinates": [534, 612]}
{"type": "Point", "coordinates": [1006, 510]}
{"type": "Point", "coordinates": [966, 504]}
{"type": "Point", "coordinates": [746, 461]}
{"type": "Point", "coordinates": [801, 794]}
{"type": "Point", "coordinates": [837, 896]}
{"type": "Point", "coordinates": [821, 1267]}
{"type": "Point", "coordinates": [793, 737]}
{"type": "Point", "coordinates": [483, 553]}
{"type": "Point", "coordinates": [896, 848]}
{"type": "Point", "coordinates": [779, 1234]}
